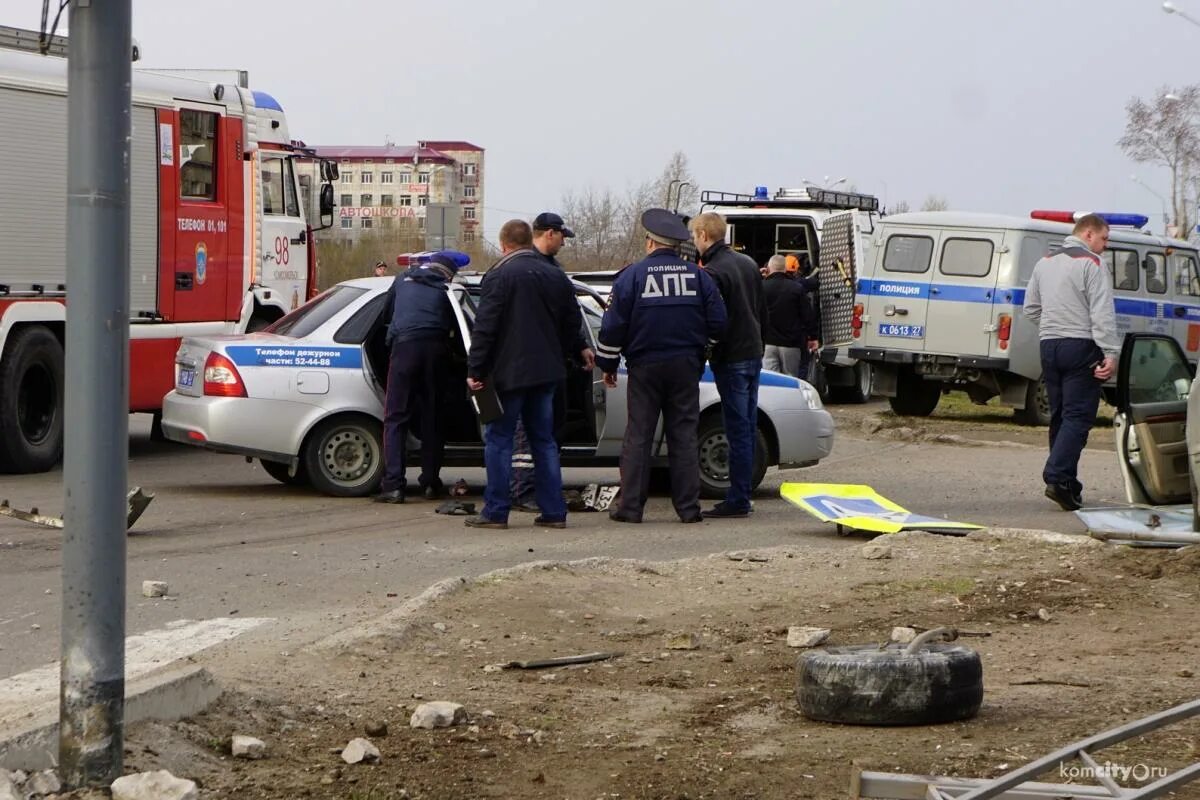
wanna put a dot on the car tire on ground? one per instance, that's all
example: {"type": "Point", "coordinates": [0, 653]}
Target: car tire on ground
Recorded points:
{"type": "Point", "coordinates": [1037, 405]}
{"type": "Point", "coordinates": [343, 456]}
{"type": "Point", "coordinates": [915, 396]}
{"type": "Point", "coordinates": [858, 392]}
{"type": "Point", "coordinates": [864, 685]}
{"type": "Point", "coordinates": [280, 472]}
{"type": "Point", "coordinates": [31, 400]}
{"type": "Point", "coordinates": [714, 458]}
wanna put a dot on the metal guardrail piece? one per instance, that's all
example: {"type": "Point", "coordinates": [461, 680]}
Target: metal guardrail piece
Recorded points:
{"type": "Point", "coordinates": [1017, 784]}
{"type": "Point", "coordinates": [138, 499]}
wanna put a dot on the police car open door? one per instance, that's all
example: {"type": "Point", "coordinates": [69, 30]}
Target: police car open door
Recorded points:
{"type": "Point", "coordinates": [1153, 384]}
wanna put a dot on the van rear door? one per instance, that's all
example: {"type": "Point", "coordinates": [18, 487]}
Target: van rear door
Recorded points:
{"type": "Point", "coordinates": [841, 262]}
{"type": "Point", "coordinates": [895, 297]}
{"type": "Point", "coordinates": [962, 293]}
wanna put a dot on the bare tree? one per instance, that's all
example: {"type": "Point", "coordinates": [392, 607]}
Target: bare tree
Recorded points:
{"type": "Point", "coordinates": [1165, 132]}
{"type": "Point", "coordinates": [901, 207]}
{"type": "Point", "coordinates": [935, 202]}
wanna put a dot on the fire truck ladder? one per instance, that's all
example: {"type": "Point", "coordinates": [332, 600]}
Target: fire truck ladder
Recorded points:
{"type": "Point", "coordinates": [1016, 785]}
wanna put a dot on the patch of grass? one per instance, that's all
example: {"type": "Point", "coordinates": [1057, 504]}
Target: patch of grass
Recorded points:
{"type": "Point", "coordinates": [958, 406]}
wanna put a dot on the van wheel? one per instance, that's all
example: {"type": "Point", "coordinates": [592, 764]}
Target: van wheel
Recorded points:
{"type": "Point", "coordinates": [343, 456]}
{"type": "Point", "coordinates": [864, 685]}
{"type": "Point", "coordinates": [281, 473]}
{"type": "Point", "coordinates": [915, 397]}
{"type": "Point", "coordinates": [31, 401]}
{"type": "Point", "coordinates": [714, 458]}
{"type": "Point", "coordinates": [858, 392]}
{"type": "Point", "coordinates": [1037, 405]}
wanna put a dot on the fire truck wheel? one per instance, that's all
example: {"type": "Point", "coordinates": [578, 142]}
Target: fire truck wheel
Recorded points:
{"type": "Point", "coordinates": [280, 473]}
{"type": "Point", "coordinates": [1037, 406]}
{"type": "Point", "coordinates": [866, 685]}
{"type": "Point", "coordinates": [915, 396]}
{"type": "Point", "coordinates": [343, 456]}
{"type": "Point", "coordinates": [31, 400]}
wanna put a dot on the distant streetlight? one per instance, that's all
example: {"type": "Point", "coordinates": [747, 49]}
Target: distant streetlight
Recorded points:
{"type": "Point", "coordinates": [1165, 215]}
{"type": "Point", "coordinates": [1171, 8]}
{"type": "Point", "coordinates": [826, 185]}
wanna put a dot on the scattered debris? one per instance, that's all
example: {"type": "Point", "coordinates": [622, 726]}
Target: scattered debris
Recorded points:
{"type": "Point", "coordinates": [42, 783]}
{"type": "Point", "coordinates": [902, 634]}
{"type": "Point", "coordinates": [509, 730]}
{"type": "Point", "coordinates": [154, 589]}
{"type": "Point", "coordinates": [438, 714]}
{"type": "Point", "coordinates": [641, 620]}
{"type": "Point", "coordinates": [872, 551]}
{"type": "Point", "coordinates": [136, 502]}
{"type": "Point", "coordinates": [1043, 615]}
{"type": "Point", "coordinates": [455, 508]}
{"type": "Point", "coordinates": [861, 508]}
{"type": "Point", "coordinates": [460, 489]}
{"type": "Point", "coordinates": [360, 751]}
{"type": "Point", "coordinates": [376, 728]}
{"type": "Point", "coordinates": [561, 661]}
{"type": "Point", "coordinates": [1046, 682]}
{"type": "Point", "coordinates": [804, 636]}
{"type": "Point", "coordinates": [8, 787]}
{"type": "Point", "coordinates": [160, 785]}
{"type": "Point", "coordinates": [440, 627]}
{"type": "Point", "coordinates": [248, 747]}
{"type": "Point", "coordinates": [683, 641]}
{"type": "Point", "coordinates": [748, 557]}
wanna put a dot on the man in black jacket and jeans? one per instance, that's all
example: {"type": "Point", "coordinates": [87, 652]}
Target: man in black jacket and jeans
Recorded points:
{"type": "Point", "coordinates": [790, 334]}
{"type": "Point", "coordinates": [527, 326]}
{"type": "Point", "coordinates": [737, 359]}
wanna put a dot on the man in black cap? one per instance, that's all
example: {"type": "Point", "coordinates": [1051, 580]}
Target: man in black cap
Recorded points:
{"type": "Point", "coordinates": [419, 335]}
{"type": "Point", "coordinates": [663, 314]}
{"type": "Point", "coordinates": [550, 233]}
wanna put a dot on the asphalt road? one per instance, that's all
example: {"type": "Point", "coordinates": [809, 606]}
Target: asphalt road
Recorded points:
{"type": "Point", "coordinates": [231, 541]}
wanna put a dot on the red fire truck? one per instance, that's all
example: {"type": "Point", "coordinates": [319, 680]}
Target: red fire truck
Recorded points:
{"type": "Point", "coordinates": [220, 240]}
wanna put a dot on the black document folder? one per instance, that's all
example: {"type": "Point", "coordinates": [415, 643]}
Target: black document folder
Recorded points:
{"type": "Point", "coordinates": [487, 404]}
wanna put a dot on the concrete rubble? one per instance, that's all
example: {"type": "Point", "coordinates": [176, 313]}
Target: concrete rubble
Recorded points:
{"type": "Point", "coordinates": [160, 785]}
{"type": "Point", "coordinates": [872, 551]}
{"type": "Point", "coordinates": [154, 589]}
{"type": "Point", "coordinates": [438, 714]}
{"type": "Point", "coordinates": [805, 636]}
{"type": "Point", "coordinates": [248, 747]}
{"type": "Point", "coordinates": [683, 641]}
{"type": "Point", "coordinates": [360, 751]}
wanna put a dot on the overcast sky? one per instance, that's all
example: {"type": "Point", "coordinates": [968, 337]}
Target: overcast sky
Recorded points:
{"type": "Point", "coordinates": [999, 105]}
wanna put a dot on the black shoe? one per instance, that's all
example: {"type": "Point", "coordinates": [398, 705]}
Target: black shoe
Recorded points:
{"type": "Point", "coordinates": [692, 519]}
{"type": "Point", "coordinates": [484, 522]}
{"type": "Point", "coordinates": [395, 496]}
{"type": "Point", "coordinates": [434, 491]}
{"type": "Point", "coordinates": [726, 511]}
{"type": "Point", "coordinates": [617, 516]}
{"type": "Point", "coordinates": [542, 522]}
{"type": "Point", "coordinates": [1065, 497]}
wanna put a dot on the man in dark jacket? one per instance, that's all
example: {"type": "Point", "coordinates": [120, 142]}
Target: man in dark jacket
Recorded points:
{"type": "Point", "coordinates": [737, 359]}
{"type": "Point", "coordinates": [527, 325]}
{"type": "Point", "coordinates": [419, 336]}
{"type": "Point", "coordinates": [663, 313]}
{"type": "Point", "coordinates": [790, 334]}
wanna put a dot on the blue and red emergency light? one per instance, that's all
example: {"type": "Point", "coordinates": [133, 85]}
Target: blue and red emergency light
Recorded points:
{"type": "Point", "coordinates": [418, 259]}
{"type": "Point", "coordinates": [1122, 220]}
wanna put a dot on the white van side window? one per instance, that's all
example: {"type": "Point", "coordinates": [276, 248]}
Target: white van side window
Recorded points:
{"type": "Point", "coordinates": [1184, 267]}
{"type": "Point", "coordinates": [1032, 250]}
{"type": "Point", "coordinates": [970, 258]}
{"type": "Point", "coordinates": [908, 254]}
{"type": "Point", "coordinates": [1156, 273]}
{"type": "Point", "coordinates": [1122, 268]}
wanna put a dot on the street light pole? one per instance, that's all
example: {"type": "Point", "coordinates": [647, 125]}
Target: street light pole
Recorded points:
{"type": "Point", "coordinates": [1171, 8]}
{"type": "Point", "coordinates": [1166, 217]}
{"type": "Point", "coordinates": [92, 678]}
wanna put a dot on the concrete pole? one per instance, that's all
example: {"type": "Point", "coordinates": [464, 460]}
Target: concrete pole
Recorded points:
{"type": "Point", "coordinates": [92, 699]}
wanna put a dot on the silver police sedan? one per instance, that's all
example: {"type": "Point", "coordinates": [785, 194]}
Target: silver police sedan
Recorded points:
{"type": "Point", "coordinates": [305, 397]}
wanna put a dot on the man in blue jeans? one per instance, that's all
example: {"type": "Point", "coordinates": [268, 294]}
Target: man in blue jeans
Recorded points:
{"type": "Point", "coordinates": [1070, 299]}
{"type": "Point", "coordinates": [737, 360]}
{"type": "Point", "coordinates": [526, 330]}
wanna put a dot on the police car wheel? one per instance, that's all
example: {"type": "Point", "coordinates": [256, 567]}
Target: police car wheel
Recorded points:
{"type": "Point", "coordinates": [343, 456]}
{"type": "Point", "coordinates": [31, 400]}
{"type": "Point", "coordinates": [280, 472]}
{"type": "Point", "coordinates": [864, 685]}
{"type": "Point", "coordinates": [714, 458]}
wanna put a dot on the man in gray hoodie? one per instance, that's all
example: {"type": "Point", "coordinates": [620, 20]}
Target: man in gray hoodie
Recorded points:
{"type": "Point", "coordinates": [1070, 299]}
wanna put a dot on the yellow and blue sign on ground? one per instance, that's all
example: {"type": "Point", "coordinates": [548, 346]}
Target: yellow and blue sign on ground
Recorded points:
{"type": "Point", "coordinates": [859, 507]}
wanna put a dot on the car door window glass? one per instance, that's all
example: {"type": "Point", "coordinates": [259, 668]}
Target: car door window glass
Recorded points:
{"type": "Point", "coordinates": [1157, 373]}
{"type": "Point", "coordinates": [1183, 267]}
{"type": "Point", "coordinates": [1122, 268]}
{"type": "Point", "coordinates": [197, 155]}
{"type": "Point", "coordinates": [359, 327]}
{"type": "Point", "coordinates": [1156, 273]}
{"type": "Point", "coordinates": [967, 258]}
{"type": "Point", "coordinates": [908, 254]}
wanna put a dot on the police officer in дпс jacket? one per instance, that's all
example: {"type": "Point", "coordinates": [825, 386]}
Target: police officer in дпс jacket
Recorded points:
{"type": "Point", "coordinates": [663, 314]}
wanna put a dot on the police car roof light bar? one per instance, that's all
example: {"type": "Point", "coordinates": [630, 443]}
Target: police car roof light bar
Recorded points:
{"type": "Point", "coordinates": [1114, 219]}
{"type": "Point", "coordinates": [424, 257]}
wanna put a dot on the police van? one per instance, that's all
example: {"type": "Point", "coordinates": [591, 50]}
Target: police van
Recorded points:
{"type": "Point", "coordinates": [793, 222]}
{"type": "Point", "coordinates": [939, 302]}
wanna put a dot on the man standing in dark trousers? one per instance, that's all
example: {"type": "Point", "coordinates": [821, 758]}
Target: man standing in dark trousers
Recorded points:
{"type": "Point", "coordinates": [525, 330]}
{"type": "Point", "coordinates": [663, 313]}
{"type": "Point", "coordinates": [419, 336]}
{"type": "Point", "coordinates": [1070, 299]}
{"type": "Point", "coordinates": [790, 335]}
{"type": "Point", "coordinates": [737, 360]}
